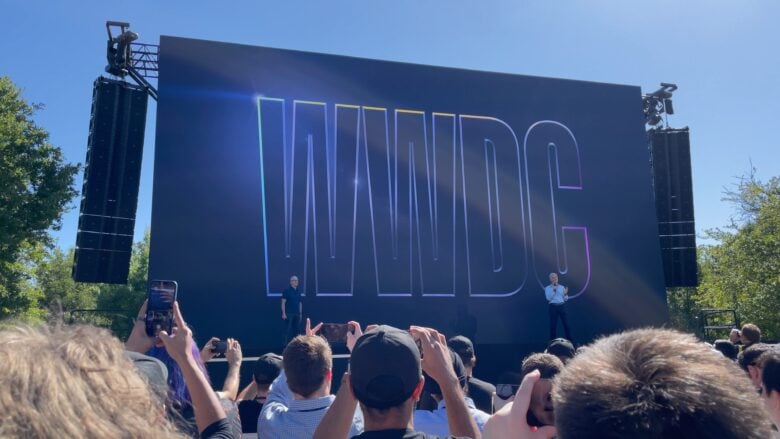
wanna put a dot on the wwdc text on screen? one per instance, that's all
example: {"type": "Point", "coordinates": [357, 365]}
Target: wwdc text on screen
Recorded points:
{"type": "Point", "coordinates": [415, 191]}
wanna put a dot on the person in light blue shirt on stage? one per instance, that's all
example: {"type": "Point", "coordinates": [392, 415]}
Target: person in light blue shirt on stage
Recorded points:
{"type": "Point", "coordinates": [557, 295]}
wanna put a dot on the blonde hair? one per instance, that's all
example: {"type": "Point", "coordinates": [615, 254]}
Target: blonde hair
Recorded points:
{"type": "Point", "coordinates": [73, 381]}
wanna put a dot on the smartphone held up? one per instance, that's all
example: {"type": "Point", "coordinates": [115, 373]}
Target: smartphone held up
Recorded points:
{"type": "Point", "coordinates": [159, 306]}
{"type": "Point", "coordinates": [335, 332]}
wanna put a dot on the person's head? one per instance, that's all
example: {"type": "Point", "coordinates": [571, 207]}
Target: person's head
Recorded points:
{"type": "Point", "coordinates": [294, 281]}
{"type": "Point", "coordinates": [770, 384]}
{"type": "Point", "coordinates": [735, 336]}
{"type": "Point", "coordinates": [308, 364]}
{"type": "Point", "coordinates": [548, 365]}
{"type": "Point", "coordinates": [554, 278]}
{"type": "Point", "coordinates": [561, 348]}
{"type": "Point", "coordinates": [386, 375]}
{"type": "Point", "coordinates": [727, 348]}
{"type": "Point", "coordinates": [655, 383]}
{"type": "Point", "coordinates": [267, 368]}
{"type": "Point", "coordinates": [460, 371]}
{"type": "Point", "coordinates": [748, 361]}
{"type": "Point", "coordinates": [541, 411]}
{"type": "Point", "coordinates": [750, 334]}
{"type": "Point", "coordinates": [462, 346]}
{"type": "Point", "coordinates": [153, 371]}
{"type": "Point", "coordinates": [74, 381]}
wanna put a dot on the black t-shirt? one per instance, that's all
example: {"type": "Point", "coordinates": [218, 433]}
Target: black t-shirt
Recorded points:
{"type": "Point", "coordinates": [482, 394]}
{"type": "Point", "coordinates": [293, 298]}
{"type": "Point", "coordinates": [249, 410]}
{"type": "Point", "coordinates": [218, 430]}
{"type": "Point", "coordinates": [399, 434]}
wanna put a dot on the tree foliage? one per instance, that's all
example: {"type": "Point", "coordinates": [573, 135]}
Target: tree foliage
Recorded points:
{"type": "Point", "coordinates": [742, 271]}
{"type": "Point", "coordinates": [127, 299]}
{"type": "Point", "coordinates": [18, 295]}
{"type": "Point", "coordinates": [112, 306]}
{"type": "Point", "coordinates": [36, 185]}
{"type": "Point", "coordinates": [684, 310]}
{"type": "Point", "coordinates": [59, 292]}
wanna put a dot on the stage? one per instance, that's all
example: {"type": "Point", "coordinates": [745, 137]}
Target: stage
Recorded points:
{"type": "Point", "coordinates": [400, 194]}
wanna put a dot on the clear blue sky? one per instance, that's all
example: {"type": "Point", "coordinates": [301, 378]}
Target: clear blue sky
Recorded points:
{"type": "Point", "coordinates": [722, 54]}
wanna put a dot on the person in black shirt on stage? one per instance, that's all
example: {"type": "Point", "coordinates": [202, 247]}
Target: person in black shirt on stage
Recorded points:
{"type": "Point", "coordinates": [292, 309]}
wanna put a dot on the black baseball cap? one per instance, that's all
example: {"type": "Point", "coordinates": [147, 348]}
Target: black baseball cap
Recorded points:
{"type": "Point", "coordinates": [462, 346]}
{"type": "Point", "coordinates": [384, 367]}
{"type": "Point", "coordinates": [433, 387]}
{"type": "Point", "coordinates": [267, 368]}
{"type": "Point", "coordinates": [561, 348]}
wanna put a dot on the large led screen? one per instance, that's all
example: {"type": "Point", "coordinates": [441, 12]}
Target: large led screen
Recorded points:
{"type": "Point", "coordinates": [398, 193]}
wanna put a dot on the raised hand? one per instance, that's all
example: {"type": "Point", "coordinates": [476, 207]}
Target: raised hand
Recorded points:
{"type": "Point", "coordinates": [310, 330]}
{"type": "Point", "coordinates": [179, 343]}
{"type": "Point", "coordinates": [437, 363]}
{"type": "Point", "coordinates": [138, 340]}
{"type": "Point", "coordinates": [511, 420]}
{"type": "Point", "coordinates": [233, 352]}
{"type": "Point", "coordinates": [436, 358]}
{"type": "Point", "coordinates": [354, 334]}
{"type": "Point", "coordinates": [207, 352]}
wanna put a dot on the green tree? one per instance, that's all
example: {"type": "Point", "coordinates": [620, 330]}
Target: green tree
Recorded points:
{"type": "Point", "coordinates": [36, 185]}
{"type": "Point", "coordinates": [60, 293]}
{"type": "Point", "coordinates": [127, 299]}
{"type": "Point", "coordinates": [112, 306]}
{"type": "Point", "coordinates": [18, 295]}
{"type": "Point", "coordinates": [683, 309]}
{"type": "Point", "coordinates": [742, 271]}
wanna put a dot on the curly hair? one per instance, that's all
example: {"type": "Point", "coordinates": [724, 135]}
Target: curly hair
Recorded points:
{"type": "Point", "coordinates": [74, 381]}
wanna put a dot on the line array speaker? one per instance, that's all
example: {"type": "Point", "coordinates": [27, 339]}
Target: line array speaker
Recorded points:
{"type": "Point", "coordinates": [670, 150]}
{"type": "Point", "coordinates": [112, 173]}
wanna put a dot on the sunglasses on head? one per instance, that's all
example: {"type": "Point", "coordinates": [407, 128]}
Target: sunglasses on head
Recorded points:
{"type": "Point", "coordinates": [506, 391]}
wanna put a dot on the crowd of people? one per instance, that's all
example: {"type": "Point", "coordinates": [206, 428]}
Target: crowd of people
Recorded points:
{"type": "Point", "coordinates": [80, 381]}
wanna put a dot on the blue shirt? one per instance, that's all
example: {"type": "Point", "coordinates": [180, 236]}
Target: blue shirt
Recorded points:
{"type": "Point", "coordinates": [292, 304]}
{"type": "Point", "coordinates": [556, 295]}
{"type": "Point", "coordinates": [284, 417]}
{"type": "Point", "coordinates": [435, 422]}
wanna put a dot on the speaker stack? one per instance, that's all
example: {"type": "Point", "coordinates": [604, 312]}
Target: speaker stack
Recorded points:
{"type": "Point", "coordinates": [112, 174]}
{"type": "Point", "coordinates": [671, 159]}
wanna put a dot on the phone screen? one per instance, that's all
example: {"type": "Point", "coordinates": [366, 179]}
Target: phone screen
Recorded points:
{"type": "Point", "coordinates": [335, 332]}
{"type": "Point", "coordinates": [162, 294]}
{"type": "Point", "coordinates": [159, 306]}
